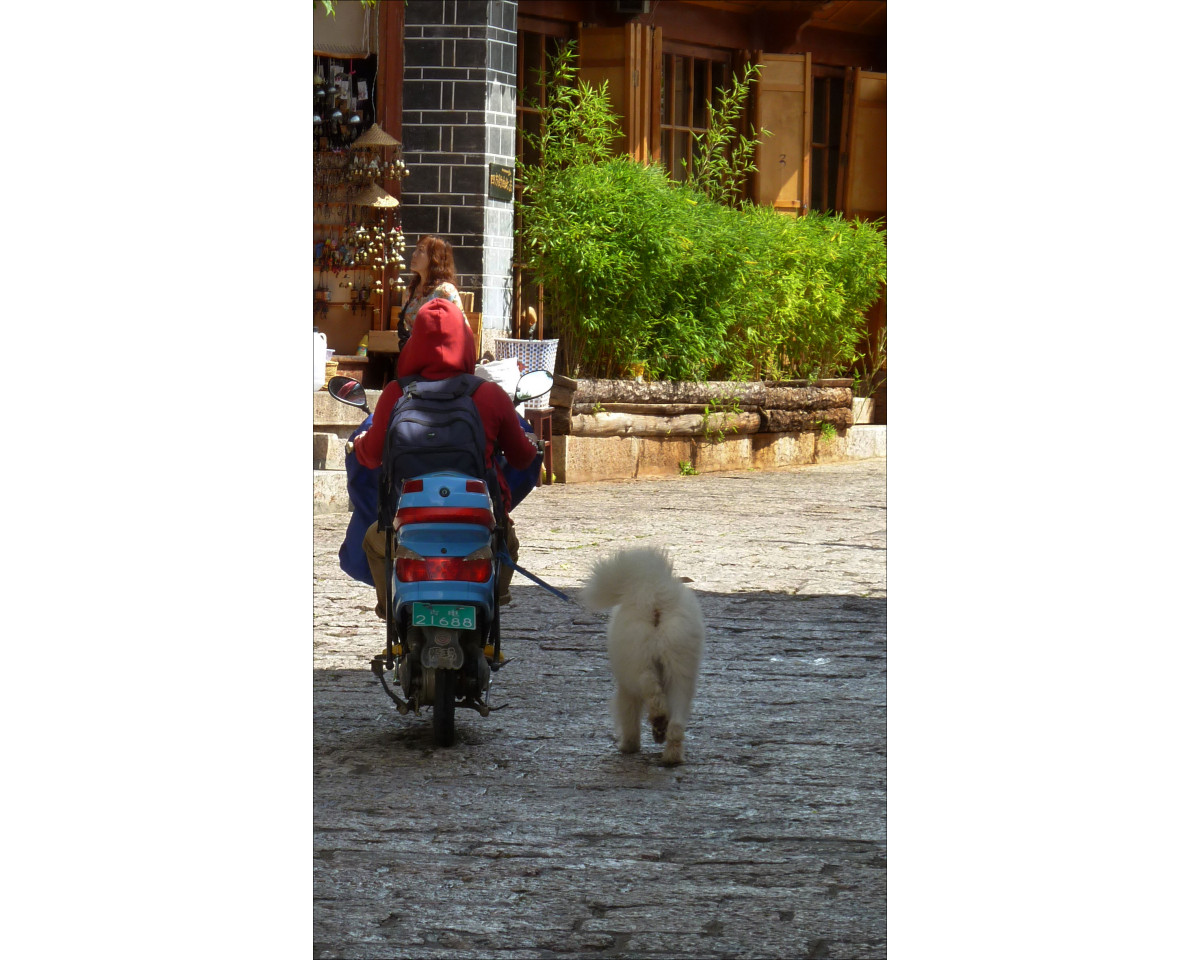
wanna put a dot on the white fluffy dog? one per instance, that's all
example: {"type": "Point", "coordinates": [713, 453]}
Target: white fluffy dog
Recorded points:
{"type": "Point", "coordinates": [655, 642]}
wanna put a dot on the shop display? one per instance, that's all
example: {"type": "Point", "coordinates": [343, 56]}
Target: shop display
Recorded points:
{"type": "Point", "coordinates": [358, 246]}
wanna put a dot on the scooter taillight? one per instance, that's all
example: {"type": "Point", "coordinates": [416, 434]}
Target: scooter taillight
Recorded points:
{"type": "Point", "coordinates": [411, 570]}
{"type": "Point", "coordinates": [412, 486]}
{"type": "Point", "coordinates": [478, 515]}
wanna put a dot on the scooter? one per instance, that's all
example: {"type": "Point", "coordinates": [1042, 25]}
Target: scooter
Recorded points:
{"type": "Point", "coordinates": [443, 620]}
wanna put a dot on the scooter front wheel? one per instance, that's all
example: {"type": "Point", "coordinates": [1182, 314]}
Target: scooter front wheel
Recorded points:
{"type": "Point", "coordinates": [443, 708]}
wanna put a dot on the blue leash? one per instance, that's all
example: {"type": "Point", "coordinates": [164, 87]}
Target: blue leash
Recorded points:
{"type": "Point", "coordinates": [508, 562]}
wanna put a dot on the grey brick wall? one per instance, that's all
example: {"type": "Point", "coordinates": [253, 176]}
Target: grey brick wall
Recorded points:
{"type": "Point", "coordinates": [460, 62]}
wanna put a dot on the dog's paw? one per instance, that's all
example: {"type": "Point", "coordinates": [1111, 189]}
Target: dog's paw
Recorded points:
{"type": "Point", "coordinates": [658, 727]}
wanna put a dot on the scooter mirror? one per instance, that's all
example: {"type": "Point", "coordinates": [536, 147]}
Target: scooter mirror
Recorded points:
{"type": "Point", "coordinates": [533, 384]}
{"type": "Point", "coordinates": [348, 390]}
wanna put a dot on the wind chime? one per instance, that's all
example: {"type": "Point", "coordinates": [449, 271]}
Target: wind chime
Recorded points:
{"type": "Point", "coordinates": [349, 164]}
{"type": "Point", "coordinates": [374, 238]}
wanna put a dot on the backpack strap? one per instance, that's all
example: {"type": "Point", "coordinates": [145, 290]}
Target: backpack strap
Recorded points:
{"type": "Point", "coordinates": [465, 384]}
{"type": "Point", "coordinates": [385, 473]}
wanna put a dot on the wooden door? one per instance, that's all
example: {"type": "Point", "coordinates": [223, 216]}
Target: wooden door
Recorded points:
{"type": "Point", "coordinates": [784, 107]}
{"type": "Point", "coordinates": [866, 148]}
{"type": "Point", "coordinates": [630, 59]}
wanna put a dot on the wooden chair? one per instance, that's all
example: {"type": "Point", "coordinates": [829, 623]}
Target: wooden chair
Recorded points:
{"type": "Point", "coordinates": [539, 419]}
{"type": "Point", "coordinates": [475, 320]}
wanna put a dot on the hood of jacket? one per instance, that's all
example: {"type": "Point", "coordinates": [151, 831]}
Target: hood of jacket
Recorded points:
{"type": "Point", "coordinates": [441, 344]}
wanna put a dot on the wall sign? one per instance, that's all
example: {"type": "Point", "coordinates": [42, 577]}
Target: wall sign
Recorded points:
{"type": "Point", "coordinates": [500, 182]}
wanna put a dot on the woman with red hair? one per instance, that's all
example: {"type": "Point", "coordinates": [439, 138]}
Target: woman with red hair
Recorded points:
{"type": "Point", "coordinates": [432, 265]}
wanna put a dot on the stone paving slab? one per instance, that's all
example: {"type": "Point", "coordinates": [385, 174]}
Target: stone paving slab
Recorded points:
{"type": "Point", "coordinates": [534, 837]}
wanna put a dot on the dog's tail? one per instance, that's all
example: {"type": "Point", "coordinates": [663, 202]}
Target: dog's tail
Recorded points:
{"type": "Point", "coordinates": [644, 574]}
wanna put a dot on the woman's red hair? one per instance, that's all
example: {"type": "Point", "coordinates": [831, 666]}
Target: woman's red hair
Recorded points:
{"type": "Point", "coordinates": [441, 264]}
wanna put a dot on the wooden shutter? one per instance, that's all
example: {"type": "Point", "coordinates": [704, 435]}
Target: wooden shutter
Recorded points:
{"type": "Point", "coordinates": [866, 148]}
{"type": "Point", "coordinates": [630, 59]}
{"type": "Point", "coordinates": [784, 107]}
{"type": "Point", "coordinates": [865, 188]}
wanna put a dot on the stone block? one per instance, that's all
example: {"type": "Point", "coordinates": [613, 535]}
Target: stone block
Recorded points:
{"type": "Point", "coordinates": [487, 349]}
{"type": "Point", "coordinates": [443, 32]}
{"type": "Point", "coordinates": [468, 255]}
{"type": "Point", "coordinates": [467, 139]}
{"type": "Point", "coordinates": [470, 53]}
{"type": "Point", "coordinates": [864, 442]}
{"type": "Point", "coordinates": [660, 456]}
{"type": "Point", "coordinates": [422, 138]}
{"type": "Point", "coordinates": [329, 415]}
{"type": "Point", "coordinates": [470, 12]}
{"type": "Point", "coordinates": [446, 74]}
{"type": "Point", "coordinates": [830, 449]}
{"type": "Point", "coordinates": [467, 181]}
{"type": "Point", "coordinates": [729, 454]}
{"type": "Point", "coordinates": [422, 179]}
{"type": "Point", "coordinates": [418, 221]}
{"type": "Point", "coordinates": [422, 95]}
{"type": "Point", "coordinates": [502, 98]}
{"type": "Point", "coordinates": [329, 452]}
{"type": "Point", "coordinates": [421, 52]}
{"type": "Point", "coordinates": [470, 94]}
{"type": "Point", "coordinates": [594, 458]}
{"type": "Point", "coordinates": [423, 12]}
{"type": "Point", "coordinates": [329, 492]}
{"type": "Point", "coordinates": [771, 450]}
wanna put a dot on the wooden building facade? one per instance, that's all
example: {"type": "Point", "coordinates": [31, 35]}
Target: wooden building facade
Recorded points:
{"type": "Point", "coordinates": [442, 67]}
{"type": "Point", "coordinates": [822, 93]}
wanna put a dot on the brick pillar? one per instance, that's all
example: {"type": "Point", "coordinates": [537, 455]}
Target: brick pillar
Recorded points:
{"type": "Point", "coordinates": [460, 109]}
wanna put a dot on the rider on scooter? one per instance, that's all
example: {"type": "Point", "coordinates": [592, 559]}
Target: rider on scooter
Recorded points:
{"type": "Point", "coordinates": [441, 345]}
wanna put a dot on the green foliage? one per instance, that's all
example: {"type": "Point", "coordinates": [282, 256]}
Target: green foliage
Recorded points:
{"type": "Point", "coordinates": [641, 271]}
{"type": "Point", "coordinates": [686, 469]}
{"type": "Point", "coordinates": [578, 124]}
{"type": "Point", "coordinates": [723, 158]}
{"type": "Point", "coordinates": [828, 430]}
{"type": "Point", "coordinates": [870, 372]}
{"type": "Point", "coordinates": [719, 405]}
{"type": "Point", "coordinates": [331, 5]}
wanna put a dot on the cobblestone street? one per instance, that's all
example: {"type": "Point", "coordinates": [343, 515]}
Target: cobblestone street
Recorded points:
{"type": "Point", "coordinates": [534, 837]}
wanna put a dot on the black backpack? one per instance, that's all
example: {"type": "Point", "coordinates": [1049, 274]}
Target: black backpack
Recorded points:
{"type": "Point", "coordinates": [435, 425]}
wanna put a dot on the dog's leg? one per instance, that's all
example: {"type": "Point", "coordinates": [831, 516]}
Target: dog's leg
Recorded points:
{"type": "Point", "coordinates": [654, 691]}
{"type": "Point", "coordinates": [627, 712]}
{"type": "Point", "coordinates": [679, 701]}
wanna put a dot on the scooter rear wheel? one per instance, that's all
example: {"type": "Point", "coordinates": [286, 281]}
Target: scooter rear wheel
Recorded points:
{"type": "Point", "coordinates": [443, 708]}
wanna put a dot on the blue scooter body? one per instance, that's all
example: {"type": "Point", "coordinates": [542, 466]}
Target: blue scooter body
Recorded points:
{"type": "Point", "coordinates": [432, 526]}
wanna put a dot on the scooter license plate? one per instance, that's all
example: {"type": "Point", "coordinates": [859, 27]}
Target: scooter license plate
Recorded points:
{"type": "Point", "coordinates": [443, 615]}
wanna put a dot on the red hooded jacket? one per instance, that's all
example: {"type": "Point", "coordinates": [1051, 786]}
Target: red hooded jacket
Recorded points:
{"type": "Point", "coordinates": [442, 346]}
